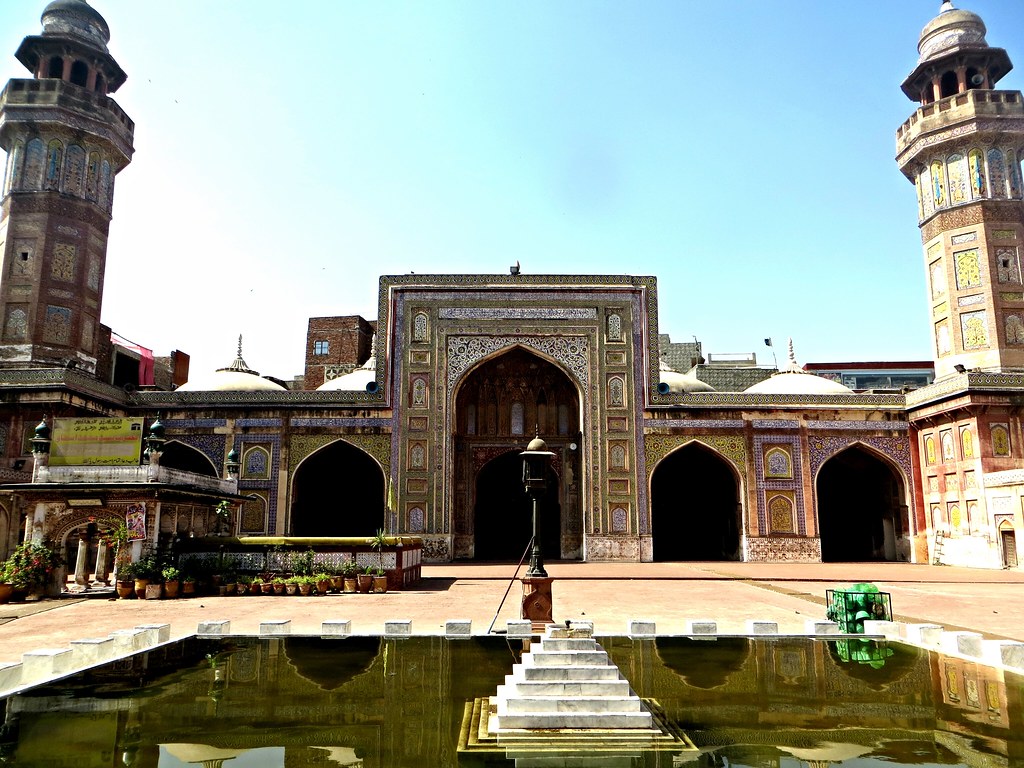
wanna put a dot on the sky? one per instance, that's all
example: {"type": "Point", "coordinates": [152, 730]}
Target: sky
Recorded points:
{"type": "Point", "coordinates": [741, 151]}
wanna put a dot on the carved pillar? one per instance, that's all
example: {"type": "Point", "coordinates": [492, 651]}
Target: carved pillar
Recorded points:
{"type": "Point", "coordinates": [82, 561]}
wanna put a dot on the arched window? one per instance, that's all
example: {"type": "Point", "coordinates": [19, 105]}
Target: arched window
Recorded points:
{"type": "Point", "coordinates": [615, 391]}
{"type": "Point", "coordinates": [256, 463]}
{"type": "Point", "coordinates": [56, 67]}
{"type": "Point", "coordinates": [777, 463]}
{"type": "Point", "coordinates": [996, 173]}
{"type": "Point", "coordinates": [80, 73]}
{"type": "Point", "coordinates": [419, 327]}
{"type": "Point", "coordinates": [780, 514]}
{"type": "Point", "coordinates": [54, 155]}
{"type": "Point", "coordinates": [929, 449]}
{"type": "Point", "coordinates": [516, 418]}
{"type": "Point", "coordinates": [949, 85]}
{"type": "Point", "coordinates": [938, 184]}
{"type": "Point", "coordinates": [1014, 170]}
{"type": "Point", "coordinates": [957, 166]}
{"type": "Point", "coordinates": [979, 182]}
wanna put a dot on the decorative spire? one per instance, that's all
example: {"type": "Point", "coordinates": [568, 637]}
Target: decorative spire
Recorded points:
{"type": "Point", "coordinates": [947, 5]}
{"type": "Point", "coordinates": [239, 363]}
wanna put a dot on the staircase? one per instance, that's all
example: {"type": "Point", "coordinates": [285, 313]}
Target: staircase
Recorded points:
{"type": "Point", "coordinates": [567, 683]}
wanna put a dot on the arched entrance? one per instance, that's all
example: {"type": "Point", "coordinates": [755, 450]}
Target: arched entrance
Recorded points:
{"type": "Point", "coordinates": [177, 455]}
{"type": "Point", "coordinates": [337, 491]}
{"type": "Point", "coordinates": [499, 407]}
{"type": "Point", "coordinates": [503, 515]}
{"type": "Point", "coordinates": [860, 507]}
{"type": "Point", "coordinates": [694, 507]}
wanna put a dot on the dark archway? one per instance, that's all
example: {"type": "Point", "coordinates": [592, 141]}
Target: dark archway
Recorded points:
{"type": "Point", "coordinates": [860, 513]}
{"type": "Point", "coordinates": [337, 491]}
{"type": "Point", "coordinates": [694, 508]}
{"type": "Point", "coordinates": [186, 458]}
{"type": "Point", "coordinates": [503, 517]}
{"type": "Point", "coordinates": [499, 406]}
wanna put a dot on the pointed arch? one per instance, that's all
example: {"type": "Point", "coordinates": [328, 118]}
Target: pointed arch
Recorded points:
{"type": "Point", "coordinates": [181, 455]}
{"type": "Point", "coordinates": [696, 508]}
{"type": "Point", "coordinates": [337, 490]}
{"type": "Point", "coordinates": [861, 505]}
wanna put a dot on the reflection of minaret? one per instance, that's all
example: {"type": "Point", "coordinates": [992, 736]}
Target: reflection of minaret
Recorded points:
{"type": "Point", "coordinates": [962, 149]}
{"type": "Point", "coordinates": [65, 141]}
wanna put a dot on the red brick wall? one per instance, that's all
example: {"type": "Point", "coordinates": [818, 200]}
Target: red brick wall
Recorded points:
{"type": "Point", "coordinates": [348, 338]}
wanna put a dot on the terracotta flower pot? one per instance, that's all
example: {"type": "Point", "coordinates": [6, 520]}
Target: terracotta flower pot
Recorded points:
{"type": "Point", "coordinates": [291, 589]}
{"type": "Point", "coordinates": [380, 583]}
{"type": "Point", "coordinates": [364, 582]}
{"type": "Point", "coordinates": [171, 589]}
{"type": "Point", "coordinates": [140, 588]}
{"type": "Point", "coordinates": [349, 584]}
{"type": "Point", "coordinates": [154, 591]}
{"type": "Point", "coordinates": [6, 590]}
{"type": "Point", "coordinates": [323, 587]}
{"type": "Point", "coordinates": [188, 588]}
{"type": "Point", "coordinates": [305, 588]}
{"type": "Point", "coordinates": [267, 589]}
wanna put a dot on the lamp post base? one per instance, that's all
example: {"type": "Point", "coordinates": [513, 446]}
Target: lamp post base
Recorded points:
{"type": "Point", "coordinates": [537, 601]}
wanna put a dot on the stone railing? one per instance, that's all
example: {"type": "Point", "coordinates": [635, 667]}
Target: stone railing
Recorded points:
{"type": "Point", "coordinates": [973, 103]}
{"type": "Point", "coordinates": [135, 474]}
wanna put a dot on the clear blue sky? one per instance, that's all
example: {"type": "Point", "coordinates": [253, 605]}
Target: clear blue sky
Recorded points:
{"type": "Point", "coordinates": [288, 153]}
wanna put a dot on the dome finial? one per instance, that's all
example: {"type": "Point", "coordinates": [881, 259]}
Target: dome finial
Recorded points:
{"type": "Point", "coordinates": [239, 345]}
{"type": "Point", "coordinates": [947, 5]}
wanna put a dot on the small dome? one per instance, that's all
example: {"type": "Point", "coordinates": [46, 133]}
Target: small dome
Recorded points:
{"type": "Point", "coordinates": [77, 18]}
{"type": "Point", "coordinates": [952, 28]}
{"type": "Point", "coordinates": [354, 381]}
{"type": "Point", "coordinates": [237, 377]}
{"type": "Point", "coordinates": [679, 383]}
{"type": "Point", "coordinates": [537, 444]}
{"type": "Point", "coordinates": [794, 380]}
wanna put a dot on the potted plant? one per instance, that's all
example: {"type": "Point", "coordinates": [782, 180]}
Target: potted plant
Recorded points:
{"type": "Point", "coordinates": [242, 585]}
{"type": "Point", "coordinates": [291, 585]}
{"type": "Point", "coordinates": [323, 582]}
{"type": "Point", "coordinates": [188, 585]}
{"type": "Point", "coordinates": [378, 542]}
{"type": "Point", "coordinates": [6, 589]}
{"type": "Point", "coordinates": [145, 571]}
{"type": "Point", "coordinates": [364, 579]}
{"type": "Point", "coordinates": [29, 568]}
{"type": "Point", "coordinates": [279, 585]}
{"type": "Point", "coordinates": [349, 569]}
{"type": "Point", "coordinates": [306, 584]}
{"type": "Point", "coordinates": [172, 581]}
{"type": "Point", "coordinates": [222, 518]}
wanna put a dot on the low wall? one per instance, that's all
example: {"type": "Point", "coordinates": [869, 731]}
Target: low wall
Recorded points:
{"type": "Point", "coordinates": [401, 558]}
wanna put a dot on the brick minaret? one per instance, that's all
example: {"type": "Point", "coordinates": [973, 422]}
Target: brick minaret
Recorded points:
{"type": "Point", "coordinates": [65, 140]}
{"type": "Point", "coordinates": [962, 149]}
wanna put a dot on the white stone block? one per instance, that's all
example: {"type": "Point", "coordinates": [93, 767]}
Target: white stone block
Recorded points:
{"type": "Point", "coordinates": [45, 663]}
{"type": "Point", "coordinates": [398, 628]}
{"type": "Point", "coordinates": [757, 627]}
{"type": "Point", "coordinates": [964, 643]}
{"type": "Point", "coordinates": [92, 650]}
{"type": "Point", "coordinates": [924, 635]}
{"type": "Point", "coordinates": [10, 675]}
{"type": "Point", "coordinates": [163, 632]}
{"type": "Point", "coordinates": [1003, 653]}
{"type": "Point", "coordinates": [146, 637]}
{"type": "Point", "coordinates": [336, 628]}
{"type": "Point", "coordinates": [214, 628]}
{"type": "Point", "coordinates": [887, 629]}
{"type": "Point", "coordinates": [128, 641]}
{"type": "Point", "coordinates": [701, 627]}
{"type": "Point", "coordinates": [519, 628]}
{"type": "Point", "coordinates": [581, 625]}
{"type": "Point", "coordinates": [458, 628]}
{"type": "Point", "coordinates": [814, 627]}
{"type": "Point", "coordinates": [276, 627]}
{"type": "Point", "coordinates": [642, 627]}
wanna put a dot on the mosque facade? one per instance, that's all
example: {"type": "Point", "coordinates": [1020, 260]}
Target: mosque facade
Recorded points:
{"type": "Point", "coordinates": [414, 421]}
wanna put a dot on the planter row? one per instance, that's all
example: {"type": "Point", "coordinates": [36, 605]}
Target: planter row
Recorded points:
{"type": "Point", "coordinates": [144, 589]}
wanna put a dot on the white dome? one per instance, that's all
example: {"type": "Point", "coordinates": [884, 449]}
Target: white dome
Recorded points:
{"type": "Point", "coordinates": [794, 380]}
{"type": "Point", "coordinates": [679, 383]}
{"type": "Point", "coordinates": [355, 381]}
{"type": "Point", "coordinates": [230, 381]}
{"type": "Point", "coordinates": [803, 383]}
{"type": "Point", "coordinates": [237, 377]}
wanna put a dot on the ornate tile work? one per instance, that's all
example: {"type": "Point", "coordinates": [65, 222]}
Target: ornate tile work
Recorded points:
{"type": "Point", "coordinates": [243, 423]}
{"type": "Point", "coordinates": [775, 424]}
{"type": "Point", "coordinates": [733, 448]}
{"type": "Point", "coordinates": [793, 485]}
{"type": "Point", "coordinates": [895, 448]}
{"type": "Point", "coordinates": [966, 237]}
{"type": "Point", "coordinates": [769, 549]}
{"type": "Point", "coordinates": [194, 423]}
{"type": "Point", "coordinates": [378, 446]}
{"type": "Point", "coordinates": [437, 549]}
{"type": "Point", "coordinates": [620, 520]}
{"type": "Point", "coordinates": [860, 424]}
{"type": "Point", "coordinates": [696, 423]}
{"type": "Point", "coordinates": [517, 313]}
{"type": "Point", "coordinates": [967, 301]}
{"type": "Point", "coordinates": [267, 485]}
{"type": "Point", "coordinates": [573, 352]}
{"type": "Point", "coordinates": [340, 422]}
{"type": "Point", "coordinates": [211, 446]}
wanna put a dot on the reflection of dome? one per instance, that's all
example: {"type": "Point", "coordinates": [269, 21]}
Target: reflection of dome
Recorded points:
{"type": "Point", "coordinates": [77, 18]}
{"type": "Point", "coordinates": [237, 377]}
{"type": "Point", "coordinates": [794, 380]}
{"type": "Point", "coordinates": [952, 28]}
{"type": "Point", "coordinates": [330, 665]}
{"type": "Point", "coordinates": [681, 382]}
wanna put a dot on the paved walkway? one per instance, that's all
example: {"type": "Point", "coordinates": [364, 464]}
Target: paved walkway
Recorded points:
{"type": "Point", "coordinates": [609, 594]}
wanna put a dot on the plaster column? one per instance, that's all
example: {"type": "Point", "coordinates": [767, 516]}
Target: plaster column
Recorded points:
{"type": "Point", "coordinates": [102, 564]}
{"type": "Point", "coordinates": [82, 561]}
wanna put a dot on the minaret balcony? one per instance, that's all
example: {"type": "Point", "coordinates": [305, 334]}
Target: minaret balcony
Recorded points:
{"type": "Point", "coordinates": [960, 109]}
{"type": "Point", "coordinates": [33, 101]}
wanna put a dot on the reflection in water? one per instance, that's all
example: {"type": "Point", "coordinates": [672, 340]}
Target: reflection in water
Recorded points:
{"type": "Point", "coordinates": [297, 702]}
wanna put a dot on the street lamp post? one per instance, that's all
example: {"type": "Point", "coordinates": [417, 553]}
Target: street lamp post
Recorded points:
{"type": "Point", "coordinates": [537, 601]}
